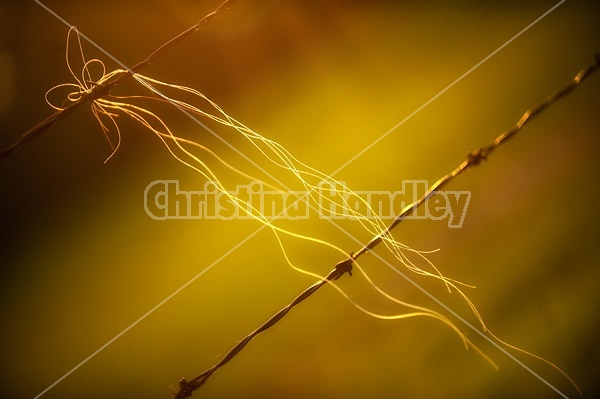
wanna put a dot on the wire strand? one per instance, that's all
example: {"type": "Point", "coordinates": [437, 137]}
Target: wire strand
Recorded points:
{"type": "Point", "coordinates": [474, 158]}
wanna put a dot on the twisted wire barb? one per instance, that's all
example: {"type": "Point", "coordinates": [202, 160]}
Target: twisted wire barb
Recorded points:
{"type": "Point", "coordinates": [474, 158]}
{"type": "Point", "coordinates": [187, 387]}
{"type": "Point", "coordinates": [101, 90]}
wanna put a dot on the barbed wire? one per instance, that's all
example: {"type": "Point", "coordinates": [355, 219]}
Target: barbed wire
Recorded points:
{"type": "Point", "coordinates": [474, 158]}
{"type": "Point", "coordinates": [102, 89]}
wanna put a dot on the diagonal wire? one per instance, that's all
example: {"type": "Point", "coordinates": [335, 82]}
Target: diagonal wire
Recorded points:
{"type": "Point", "coordinates": [341, 267]}
{"type": "Point", "coordinates": [101, 90]}
{"type": "Point", "coordinates": [474, 158]}
{"type": "Point", "coordinates": [432, 99]}
{"type": "Point", "coordinates": [148, 313]}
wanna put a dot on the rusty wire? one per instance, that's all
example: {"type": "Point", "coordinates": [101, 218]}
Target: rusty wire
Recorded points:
{"type": "Point", "coordinates": [474, 158]}
{"type": "Point", "coordinates": [101, 90]}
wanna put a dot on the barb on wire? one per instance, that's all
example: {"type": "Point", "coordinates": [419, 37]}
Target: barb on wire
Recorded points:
{"type": "Point", "coordinates": [187, 387]}
{"type": "Point", "coordinates": [106, 106]}
{"type": "Point", "coordinates": [110, 107]}
{"type": "Point", "coordinates": [474, 158]}
{"type": "Point", "coordinates": [101, 89]}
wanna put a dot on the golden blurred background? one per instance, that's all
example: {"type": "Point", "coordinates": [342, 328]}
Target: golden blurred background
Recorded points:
{"type": "Point", "coordinates": [81, 260]}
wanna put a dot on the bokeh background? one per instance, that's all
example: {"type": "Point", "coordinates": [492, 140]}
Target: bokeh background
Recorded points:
{"type": "Point", "coordinates": [81, 260]}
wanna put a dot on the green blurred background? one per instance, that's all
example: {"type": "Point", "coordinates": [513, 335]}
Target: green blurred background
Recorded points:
{"type": "Point", "coordinates": [81, 260]}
